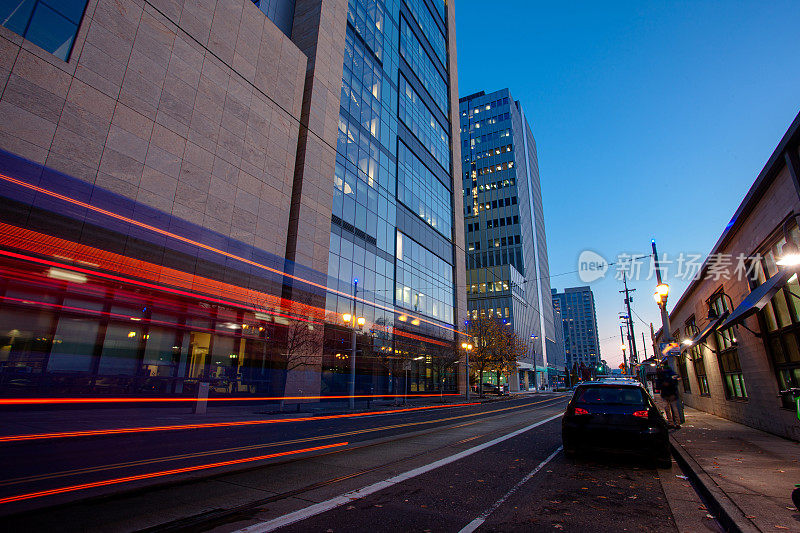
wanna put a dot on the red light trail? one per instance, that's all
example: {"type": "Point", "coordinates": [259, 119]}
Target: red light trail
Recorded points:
{"type": "Point", "coordinates": [186, 240]}
{"type": "Point", "coordinates": [46, 401]}
{"type": "Point", "coordinates": [115, 481]}
{"type": "Point", "coordinates": [53, 246]}
{"type": "Point", "coordinates": [178, 427]}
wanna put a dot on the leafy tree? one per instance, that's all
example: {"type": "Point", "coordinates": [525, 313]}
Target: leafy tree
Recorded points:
{"type": "Point", "coordinates": [497, 347]}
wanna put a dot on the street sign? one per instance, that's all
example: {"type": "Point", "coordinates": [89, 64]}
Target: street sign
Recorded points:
{"type": "Point", "coordinates": [669, 348]}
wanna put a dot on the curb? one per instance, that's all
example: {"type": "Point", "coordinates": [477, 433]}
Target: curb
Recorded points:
{"type": "Point", "coordinates": [729, 515]}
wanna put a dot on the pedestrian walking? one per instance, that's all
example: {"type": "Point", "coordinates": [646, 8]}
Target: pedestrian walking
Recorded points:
{"type": "Point", "coordinates": [668, 383]}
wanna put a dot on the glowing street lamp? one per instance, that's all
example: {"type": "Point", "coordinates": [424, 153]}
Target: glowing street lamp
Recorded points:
{"type": "Point", "coordinates": [354, 322]}
{"type": "Point", "coordinates": [661, 294]}
{"type": "Point", "coordinates": [467, 348]}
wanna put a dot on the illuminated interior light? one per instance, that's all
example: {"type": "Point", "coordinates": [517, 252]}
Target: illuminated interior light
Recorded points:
{"type": "Point", "coordinates": [66, 275]}
{"type": "Point", "coordinates": [131, 334]}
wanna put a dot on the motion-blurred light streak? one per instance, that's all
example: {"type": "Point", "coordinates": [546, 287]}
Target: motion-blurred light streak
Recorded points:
{"type": "Point", "coordinates": [45, 401]}
{"type": "Point", "coordinates": [212, 249]}
{"type": "Point", "coordinates": [128, 479]}
{"type": "Point", "coordinates": [179, 427]}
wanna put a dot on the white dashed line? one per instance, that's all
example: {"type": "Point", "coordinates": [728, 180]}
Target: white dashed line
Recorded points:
{"type": "Point", "coordinates": [313, 510]}
{"type": "Point", "coordinates": [472, 526]}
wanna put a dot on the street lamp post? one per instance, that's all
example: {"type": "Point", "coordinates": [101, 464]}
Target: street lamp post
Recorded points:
{"type": "Point", "coordinates": [660, 296]}
{"type": "Point", "coordinates": [354, 322]}
{"type": "Point", "coordinates": [467, 348]}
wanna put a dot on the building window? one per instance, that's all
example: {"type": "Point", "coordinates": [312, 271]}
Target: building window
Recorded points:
{"type": "Point", "coordinates": [696, 354]}
{"type": "Point", "coordinates": [47, 24]}
{"type": "Point", "coordinates": [727, 352]}
{"type": "Point", "coordinates": [780, 320]}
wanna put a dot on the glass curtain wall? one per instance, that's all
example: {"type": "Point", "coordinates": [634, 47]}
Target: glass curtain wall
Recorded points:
{"type": "Point", "coordinates": [394, 81]}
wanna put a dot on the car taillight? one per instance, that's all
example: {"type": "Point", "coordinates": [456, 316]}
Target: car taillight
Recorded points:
{"type": "Point", "coordinates": [579, 411]}
{"type": "Point", "coordinates": [642, 414]}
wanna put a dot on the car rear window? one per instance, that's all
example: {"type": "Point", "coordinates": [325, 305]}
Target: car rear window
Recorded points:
{"type": "Point", "coordinates": [610, 395]}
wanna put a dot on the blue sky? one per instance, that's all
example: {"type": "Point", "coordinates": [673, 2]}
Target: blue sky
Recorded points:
{"type": "Point", "coordinates": [652, 119]}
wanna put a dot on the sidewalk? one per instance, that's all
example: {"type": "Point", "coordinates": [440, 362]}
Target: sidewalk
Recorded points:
{"type": "Point", "coordinates": [746, 475]}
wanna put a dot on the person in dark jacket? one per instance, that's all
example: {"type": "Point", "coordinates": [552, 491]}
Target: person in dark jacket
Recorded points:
{"type": "Point", "coordinates": [668, 383]}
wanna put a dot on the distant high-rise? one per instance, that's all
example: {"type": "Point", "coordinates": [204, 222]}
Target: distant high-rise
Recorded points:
{"type": "Point", "coordinates": [581, 343]}
{"type": "Point", "coordinates": [506, 248]}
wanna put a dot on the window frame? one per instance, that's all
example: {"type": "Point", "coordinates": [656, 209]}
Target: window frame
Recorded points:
{"type": "Point", "coordinates": [727, 351]}
{"type": "Point", "coordinates": [779, 337]}
{"type": "Point", "coordinates": [698, 359]}
{"type": "Point", "coordinates": [54, 7]}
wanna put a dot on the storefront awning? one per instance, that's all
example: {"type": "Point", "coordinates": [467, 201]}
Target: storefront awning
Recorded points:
{"type": "Point", "coordinates": [714, 324]}
{"type": "Point", "coordinates": [757, 299]}
{"type": "Point", "coordinates": [524, 366]}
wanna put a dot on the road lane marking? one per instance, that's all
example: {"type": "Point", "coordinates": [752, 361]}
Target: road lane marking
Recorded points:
{"type": "Point", "coordinates": [349, 497]}
{"type": "Point", "coordinates": [88, 470]}
{"type": "Point", "coordinates": [475, 524]}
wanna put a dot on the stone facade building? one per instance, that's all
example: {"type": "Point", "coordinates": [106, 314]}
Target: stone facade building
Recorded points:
{"type": "Point", "coordinates": [170, 172]}
{"type": "Point", "coordinates": [738, 354]}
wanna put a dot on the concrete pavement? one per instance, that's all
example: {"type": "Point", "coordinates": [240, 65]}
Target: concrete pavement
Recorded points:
{"type": "Point", "coordinates": [745, 475]}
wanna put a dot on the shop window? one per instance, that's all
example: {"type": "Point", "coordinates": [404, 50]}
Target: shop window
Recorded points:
{"type": "Point", "coordinates": [696, 355]}
{"type": "Point", "coordinates": [73, 345]}
{"type": "Point", "coordinates": [727, 351]}
{"type": "Point", "coordinates": [51, 25]}
{"type": "Point", "coordinates": [780, 319]}
{"type": "Point", "coordinates": [24, 342]}
{"type": "Point", "coordinates": [120, 355]}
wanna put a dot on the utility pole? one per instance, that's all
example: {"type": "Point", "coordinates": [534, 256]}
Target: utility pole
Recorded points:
{"type": "Point", "coordinates": [624, 359]}
{"type": "Point", "coordinates": [653, 340]}
{"type": "Point", "coordinates": [644, 348]}
{"type": "Point", "coordinates": [631, 334]}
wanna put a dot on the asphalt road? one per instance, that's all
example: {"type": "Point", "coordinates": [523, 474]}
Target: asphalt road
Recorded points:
{"type": "Point", "coordinates": [585, 494]}
{"type": "Point", "coordinates": [55, 463]}
{"type": "Point", "coordinates": [483, 468]}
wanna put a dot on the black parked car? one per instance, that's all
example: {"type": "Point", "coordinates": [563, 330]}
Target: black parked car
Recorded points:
{"type": "Point", "coordinates": [615, 416]}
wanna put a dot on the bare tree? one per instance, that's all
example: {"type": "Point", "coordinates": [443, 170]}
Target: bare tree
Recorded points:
{"type": "Point", "coordinates": [298, 338]}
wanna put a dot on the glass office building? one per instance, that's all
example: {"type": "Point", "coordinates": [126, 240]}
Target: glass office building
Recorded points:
{"type": "Point", "coordinates": [392, 220]}
{"type": "Point", "coordinates": [506, 247]}
{"type": "Point", "coordinates": [197, 218]}
{"type": "Point", "coordinates": [579, 318]}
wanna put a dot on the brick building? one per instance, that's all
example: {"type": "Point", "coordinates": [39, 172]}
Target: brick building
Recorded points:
{"type": "Point", "coordinates": [185, 181]}
{"type": "Point", "coordinates": [738, 332]}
